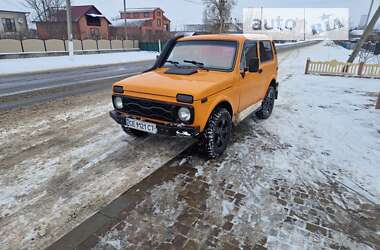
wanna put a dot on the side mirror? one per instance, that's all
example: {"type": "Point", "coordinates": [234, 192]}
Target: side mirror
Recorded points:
{"type": "Point", "coordinates": [254, 65]}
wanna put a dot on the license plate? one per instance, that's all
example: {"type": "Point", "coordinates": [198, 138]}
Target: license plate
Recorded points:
{"type": "Point", "coordinates": [140, 125]}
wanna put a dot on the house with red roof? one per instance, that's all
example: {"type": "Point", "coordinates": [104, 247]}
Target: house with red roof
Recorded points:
{"type": "Point", "coordinates": [142, 23]}
{"type": "Point", "coordinates": [88, 23]}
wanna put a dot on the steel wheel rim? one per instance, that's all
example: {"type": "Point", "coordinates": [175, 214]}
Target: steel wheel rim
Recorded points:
{"type": "Point", "coordinates": [221, 133]}
{"type": "Point", "coordinates": [268, 102]}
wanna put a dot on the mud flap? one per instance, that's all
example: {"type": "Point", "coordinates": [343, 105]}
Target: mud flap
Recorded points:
{"type": "Point", "coordinates": [276, 88]}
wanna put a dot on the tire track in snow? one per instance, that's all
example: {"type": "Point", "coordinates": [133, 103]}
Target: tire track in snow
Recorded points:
{"type": "Point", "coordinates": [61, 171]}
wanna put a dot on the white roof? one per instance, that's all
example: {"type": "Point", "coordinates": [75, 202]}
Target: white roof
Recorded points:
{"type": "Point", "coordinates": [141, 9]}
{"type": "Point", "coordinates": [130, 22]}
{"type": "Point", "coordinates": [254, 36]}
{"type": "Point", "coordinates": [257, 37]}
{"type": "Point", "coordinates": [94, 15]}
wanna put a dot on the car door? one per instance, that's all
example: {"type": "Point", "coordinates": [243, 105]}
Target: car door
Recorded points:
{"type": "Point", "coordinates": [267, 67]}
{"type": "Point", "coordinates": [249, 81]}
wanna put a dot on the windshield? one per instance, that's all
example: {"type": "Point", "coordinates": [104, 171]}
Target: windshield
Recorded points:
{"type": "Point", "coordinates": [213, 55]}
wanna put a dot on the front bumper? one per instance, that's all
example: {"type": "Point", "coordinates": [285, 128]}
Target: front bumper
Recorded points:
{"type": "Point", "coordinates": [164, 129]}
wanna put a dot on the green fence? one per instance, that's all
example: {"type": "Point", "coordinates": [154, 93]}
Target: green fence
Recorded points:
{"type": "Point", "coordinates": [152, 46]}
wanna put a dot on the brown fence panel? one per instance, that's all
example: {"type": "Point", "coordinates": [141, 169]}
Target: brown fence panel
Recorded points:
{"type": "Point", "coordinates": [104, 44]}
{"type": "Point", "coordinates": [89, 45]}
{"type": "Point", "coordinates": [55, 45]}
{"type": "Point", "coordinates": [128, 44]}
{"type": "Point", "coordinates": [117, 44]}
{"type": "Point", "coordinates": [10, 46]}
{"type": "Point", "coordinates": [33, 45]}
{"type": "Point", "coordinates": [136, 43]}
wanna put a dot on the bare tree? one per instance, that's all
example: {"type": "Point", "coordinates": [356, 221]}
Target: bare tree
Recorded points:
{"type": "Point", "coordinates": [45, 10]}
{"type": "Point", "coordinates": [217, 14]}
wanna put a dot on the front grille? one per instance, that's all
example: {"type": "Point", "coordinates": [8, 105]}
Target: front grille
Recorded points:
{"type": "Point", "coordinates": [151, 109]}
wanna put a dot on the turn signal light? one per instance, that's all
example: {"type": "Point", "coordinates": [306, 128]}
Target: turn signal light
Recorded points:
{"type": "Point", "coordinates": [185, 98]}
{"type": "Point", "coordinates": [118, 89]}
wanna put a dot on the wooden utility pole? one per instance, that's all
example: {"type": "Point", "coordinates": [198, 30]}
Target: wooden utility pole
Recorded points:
{"type": "Point", "coordinates": [69, 28]}
{"type": "Point", "coordinates": [365, 35]}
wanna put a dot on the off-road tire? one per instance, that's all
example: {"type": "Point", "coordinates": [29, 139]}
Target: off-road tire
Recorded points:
{"type": "Point", "coordinates": [134, 132]}
{"type": "Point", "coordinates": [215, 137]}
{"type": "Point", "coordinates": [268, 104]}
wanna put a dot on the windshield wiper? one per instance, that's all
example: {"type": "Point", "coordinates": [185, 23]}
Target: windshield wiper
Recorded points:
{"type": "Point", "coordinates": [200, 65]}
{"type": "Point", "coordinates": [175, 63]}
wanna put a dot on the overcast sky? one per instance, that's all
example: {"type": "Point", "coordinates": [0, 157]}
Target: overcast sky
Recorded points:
{"type": "Point", "coordinates": [190, 11]}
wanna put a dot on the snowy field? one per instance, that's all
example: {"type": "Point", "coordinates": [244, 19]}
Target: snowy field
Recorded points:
{"type": "Point", "coordinates": [39, 64]}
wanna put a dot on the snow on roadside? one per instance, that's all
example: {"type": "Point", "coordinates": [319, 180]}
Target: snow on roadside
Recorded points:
{"type": "Point", "coordinates": [38, 64]}
{"type": "Point", "coordinates": [332, 119]}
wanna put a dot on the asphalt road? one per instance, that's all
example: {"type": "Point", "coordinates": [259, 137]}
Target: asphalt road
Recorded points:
{"type": "Point", "coordinates": [24, 89]}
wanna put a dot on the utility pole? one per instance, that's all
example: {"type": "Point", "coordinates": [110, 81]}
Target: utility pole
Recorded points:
{"type": "Point", "coordinates": [69, 28]}
{"type": "Point", "coordinates": [369, 13]}
{"type": "Point", "coordinates": [365, 35]}
{"type": "Point", "coordinates": [304, 24]}
{"type": "Point", "coordinates": [125, 20]}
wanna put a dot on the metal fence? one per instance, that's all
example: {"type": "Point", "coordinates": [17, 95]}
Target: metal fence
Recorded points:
{"type": "Point", "coordinates": [152, 46]}
{"type": "Point", "coordinates": [11, 46]}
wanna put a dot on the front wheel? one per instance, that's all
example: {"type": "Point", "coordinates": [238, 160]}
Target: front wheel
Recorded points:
{"type": "Point", "coordinates": [217, 133]}
{"type": "Point", "coordinates": [134, 132]}
{"type": "Point", "coordinates": [268, 103]}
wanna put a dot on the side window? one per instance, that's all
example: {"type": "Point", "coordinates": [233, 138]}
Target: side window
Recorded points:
{"type": "Point", "coordinates": [249, 52]}
{"type": "Point", "coordinates": [265, 51]}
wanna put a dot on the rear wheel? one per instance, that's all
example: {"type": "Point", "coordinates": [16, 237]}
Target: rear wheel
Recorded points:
{"type": "Point", "coordinates": [217, 133]}
{"type": "Point", "coordinates": [134, 132]}
{"type": "Point", "coordinates": [268, 103]}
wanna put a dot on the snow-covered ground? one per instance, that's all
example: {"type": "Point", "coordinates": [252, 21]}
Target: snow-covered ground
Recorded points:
{"type": "Point", "coordinates": [61, 162]}
{"type": "Point", "coordinates": [332, 116]}
{"type": "Point", "coordinates": [38, 64]}
{"type": "Point", "coordinates": [306, 178]}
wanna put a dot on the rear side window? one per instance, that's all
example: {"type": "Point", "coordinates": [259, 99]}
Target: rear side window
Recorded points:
{"type": "Point", "coordinates": [266, 53]}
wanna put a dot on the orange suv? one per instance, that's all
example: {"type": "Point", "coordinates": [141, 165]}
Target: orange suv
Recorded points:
{"type": "Point", "coordinates": [200, 86]}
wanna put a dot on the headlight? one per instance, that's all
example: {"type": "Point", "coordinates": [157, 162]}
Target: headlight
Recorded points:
{"type": "Point", "coordinates": [118, 102]}
{"type": "Point", "coordinates": [184, 114]}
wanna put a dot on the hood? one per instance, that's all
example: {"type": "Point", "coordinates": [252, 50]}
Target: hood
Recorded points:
{"type": "Point", "coordinates": [199, 85]}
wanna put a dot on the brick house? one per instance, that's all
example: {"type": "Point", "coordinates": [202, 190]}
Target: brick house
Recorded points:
{"type": "Point", "coordinates": [143, 23]}
{"type": "Point", "coordinates": [13, 24]}
{"type": "Point", "coordinates": [88, 23]}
